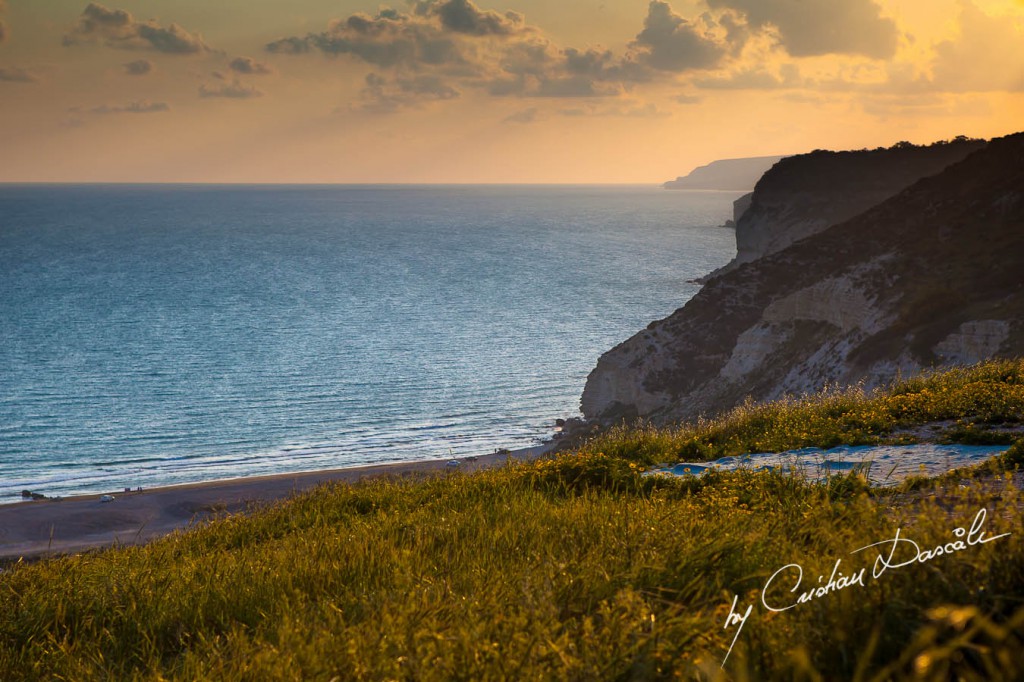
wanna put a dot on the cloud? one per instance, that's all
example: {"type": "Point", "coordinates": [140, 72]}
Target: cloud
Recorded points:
{"type": "Point", "coordinates": [15, 74]}
{"type": "Point", "coordinates": [536, 68]}
{"type": "Point", "coordinates": [456, 43]}
{"type": "Point", "coordinates": [573, 86]}
{"type": "Point", "coordinates": [117, 28]}
{"type": "Point", "coordinates": [248, 65]}
{"type": "Point", "coordinates": [755, 78]}
{"type": "Point", "coordinates": [462, 16]}
{"type": "Point", "coordinates": [233, 90]}
{"type": "Point", "coordinates": [925, 105]}
{"type": "Point", "coordinates": [139, 67]}
{"type": "Point", "coordinates": [139, 107]}
{"type": "Point", "coordinates": [3, 31]}
{"type": "Point", "coordinates": [382, 95]}
{"type": "Point", "coordinates": [687, 99]}
{"type": "Point", "coordinates": [388, 39]}
{"type": "Point", "coordinates": [808, 28]}
{"type": "Point", "coordinates": [637, 110]}
{"type": "Point", "coordinates": [554, 75]}
{"type": "Point", "coordinates": [525, 116]}
{"type": "Point", "coordinates": [984, 57]}
{"type": "Point", "coordinates": [987, 56]}
{"type": "Point", "coordinates": [671, 43]}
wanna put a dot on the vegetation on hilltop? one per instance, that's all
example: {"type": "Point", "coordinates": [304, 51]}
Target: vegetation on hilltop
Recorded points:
{"type": "Point", "coordinates": [577, 567]}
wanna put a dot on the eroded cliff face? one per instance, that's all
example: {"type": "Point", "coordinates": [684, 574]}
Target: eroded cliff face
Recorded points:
{"type": "Point", "coordinates": [932, 275]}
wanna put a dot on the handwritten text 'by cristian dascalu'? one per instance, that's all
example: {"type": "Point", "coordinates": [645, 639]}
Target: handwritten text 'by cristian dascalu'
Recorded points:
{"type": "Point", "coordinates": [896, 552]}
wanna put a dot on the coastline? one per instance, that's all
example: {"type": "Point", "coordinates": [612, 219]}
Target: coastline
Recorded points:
{"type": "Point", "coordinates": [49, 527]}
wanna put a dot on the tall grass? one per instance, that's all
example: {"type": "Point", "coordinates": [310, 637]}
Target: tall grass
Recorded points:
{"type": "Point", "coordinates": [579, 567]}
{"type": "Point", "coordinates": [986, 395]}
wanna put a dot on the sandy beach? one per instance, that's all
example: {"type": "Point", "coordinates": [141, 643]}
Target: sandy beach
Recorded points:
{"type": "Point", "coordinates": [47, 527]}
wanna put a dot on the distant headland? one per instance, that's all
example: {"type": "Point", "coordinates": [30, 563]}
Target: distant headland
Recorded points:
{"type": "Point", "coordinates": [726, 174]}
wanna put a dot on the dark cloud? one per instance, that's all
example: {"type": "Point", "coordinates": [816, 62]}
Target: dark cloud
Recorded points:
{"type": "Point", "coordinates": [535, 68]}
{"type": "Point", "coordinates": [687, 99]}
{"type": "Point", "coordinates": [572, 86]}
{"type": "Point", "coordinates": [140, 107]}
{"type": "Point", "coordinates": [3, 31]}
{"type": "Point", "coordinates": [248, 65]}
{"type": "Point", "coordinates": [292, 45]}
{"type": "Point", "coordinates": [431, 86]}
{"type": "Point", "coordinates": [528, 58]}
{"type": "Point", "coordinates": [462, 16]}
{"type": "Point", "coordinates": [669, 42]}
{"type": "Point", "coordinates": [454, 40]}
{"type": "Point", "coordinates": [118, 29]}
{"type": "Point", "coordinates": [808, 28]}
{"type": "Point", "coordinates": [587, 62]}
{"type": "Point", "coordinates": [459, 45]}
{"type": "Point", "coordinates": [388, 39]}
{"type": "Point", "coordinates": [233, 90]}
{"type": "Point", "coordinates": [139, 67]}
{"type": "Point", "coordinates": [383, 95]}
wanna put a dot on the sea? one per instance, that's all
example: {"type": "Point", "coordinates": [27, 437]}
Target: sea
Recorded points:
{"type": "Point", "coordinates": [162, 334]}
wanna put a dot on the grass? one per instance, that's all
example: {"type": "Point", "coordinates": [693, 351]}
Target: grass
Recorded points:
{"type": "Point", "coordinates": [578, 567]}
{"type": "Point", "coordinates": [980, 399]}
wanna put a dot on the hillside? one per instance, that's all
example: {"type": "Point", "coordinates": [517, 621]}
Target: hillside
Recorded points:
{"type": "Point", "coordinates": [579, 567]}
{"type": "Point", "coordinates": [929, 276]}
{"type": "Point", "coordinates": [802, 195]}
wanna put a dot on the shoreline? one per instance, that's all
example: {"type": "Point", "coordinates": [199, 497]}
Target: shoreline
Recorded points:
{"type": "Point", "coordinates": [50, 527]}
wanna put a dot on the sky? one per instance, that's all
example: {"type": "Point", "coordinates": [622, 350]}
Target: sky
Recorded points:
{"type": "Point", "coordinates": [509, 91]}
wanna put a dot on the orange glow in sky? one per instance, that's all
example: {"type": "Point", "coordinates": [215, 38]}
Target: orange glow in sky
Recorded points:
{"type": "Point", "coordinates": [506, 91]}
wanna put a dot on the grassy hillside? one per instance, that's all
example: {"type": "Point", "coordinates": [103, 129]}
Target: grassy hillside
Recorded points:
{"type": "Point", "coordinates": [579, 567]}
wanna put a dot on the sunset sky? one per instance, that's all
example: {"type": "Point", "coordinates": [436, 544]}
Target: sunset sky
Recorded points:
{"type": "Point", "coordinates": [501, 91]}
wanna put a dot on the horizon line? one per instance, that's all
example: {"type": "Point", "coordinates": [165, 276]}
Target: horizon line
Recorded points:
{"type": "Point", "coordinates": [102, 183]}
{"type": "Point", "coordinates": [205, 182]}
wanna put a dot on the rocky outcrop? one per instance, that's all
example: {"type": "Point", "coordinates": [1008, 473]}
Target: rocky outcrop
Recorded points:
{"type": "Point", "coordinates": [933, 275]}
{"type": "Point", "coordinates": [725, 174]}
{"type": "Point", "coordinates": [741, 206]}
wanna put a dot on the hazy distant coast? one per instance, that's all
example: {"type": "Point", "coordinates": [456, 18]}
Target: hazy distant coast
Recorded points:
{"type": "Point", "coordinates": [725, 174]}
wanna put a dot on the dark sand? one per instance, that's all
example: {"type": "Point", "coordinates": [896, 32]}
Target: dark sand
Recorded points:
{"type": "Point", "coordinates": [33, 529]}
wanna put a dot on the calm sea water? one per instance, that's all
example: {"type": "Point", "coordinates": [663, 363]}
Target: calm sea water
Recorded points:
{"type": "Point", "coordinates": [163, 334]}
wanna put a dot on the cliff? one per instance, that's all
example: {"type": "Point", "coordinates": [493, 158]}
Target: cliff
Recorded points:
{"type": "Point", "coordinates": [725, 174]}
{"type": "Point", "coordinates": [741, 206]}
{"type": "Point", "coordinates": [804, 194]}
{"type": "Point", "coordinates": [930, 276]}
